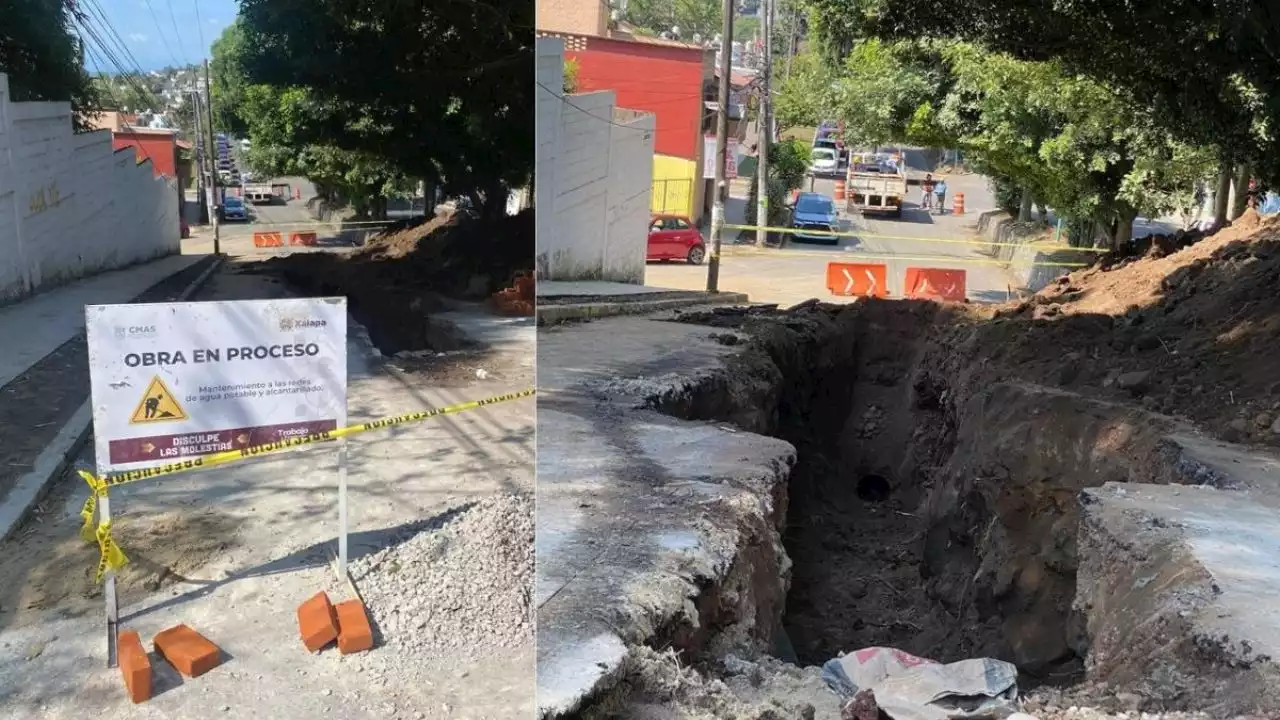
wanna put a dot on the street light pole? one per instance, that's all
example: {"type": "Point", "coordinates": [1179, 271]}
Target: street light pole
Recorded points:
{"type": "Point", "coordinates": [213, 170]}
{"type": "Point", "coordinates": [722, 147]}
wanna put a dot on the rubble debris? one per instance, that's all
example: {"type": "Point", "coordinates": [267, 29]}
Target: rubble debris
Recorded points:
{"type": "Point", "coordinates": [517, 300]}
{"type": "Point", "coordinates": [462, 587]}
{"type": "Point", "coordinates": [906, 687]}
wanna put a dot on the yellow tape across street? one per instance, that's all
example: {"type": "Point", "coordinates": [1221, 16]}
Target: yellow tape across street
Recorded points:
{"type": "Point", "coordinates": [853, 255]}
{"type": "Point", "coordinates": [945, 241]}
{"type": "Point", "coordinates": [112, 557]}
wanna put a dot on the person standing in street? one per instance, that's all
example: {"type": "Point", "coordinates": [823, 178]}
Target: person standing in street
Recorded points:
{"type": "Point", "coordinates": [940, 196]}
{"type": "Point", "coordinates": [926, 191]}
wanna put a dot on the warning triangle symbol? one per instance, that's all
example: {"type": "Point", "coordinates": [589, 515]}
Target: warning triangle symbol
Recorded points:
{"type": "Point", "coordinates": [158, 404]}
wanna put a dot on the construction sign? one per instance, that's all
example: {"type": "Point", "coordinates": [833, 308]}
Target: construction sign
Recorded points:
{"type": "Point", "coordinates": [935, 284]}
{"type": "Point", "coordinates": [857, 279]}
{"type": "Point", "coordinates": [172, 382]}
{"type": "Point", "coordinates": [157, 405]}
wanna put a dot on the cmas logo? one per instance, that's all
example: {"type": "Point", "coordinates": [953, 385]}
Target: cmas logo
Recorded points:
{"type": "Point", "coordinates": [287, 324]}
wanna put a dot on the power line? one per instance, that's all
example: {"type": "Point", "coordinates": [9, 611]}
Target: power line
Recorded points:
{"type": "Point", "coordinates": [177, 35]}
{"type": "Point", "coordinates": [160, 32]}
{"type": "Point", "coordinates": [204, 49]}
{"type": "Point", "coordinates": [560, 96]}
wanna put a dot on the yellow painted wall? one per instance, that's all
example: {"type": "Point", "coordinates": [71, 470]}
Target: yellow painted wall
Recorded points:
{"type": "Point", "coordinates": [674, 185]}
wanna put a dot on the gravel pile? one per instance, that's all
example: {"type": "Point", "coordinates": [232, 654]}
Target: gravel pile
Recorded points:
{"type": "Point", "coordinates": [463, 588]}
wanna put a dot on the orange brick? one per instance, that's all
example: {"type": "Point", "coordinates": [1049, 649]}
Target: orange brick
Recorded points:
{"type": "Point", "coordinates": [354, 633]}
{"type": "Point", "coordinates": [187, 650]}
{"type": "Point", "coordinates": [134, 665]}
{"type": "Point", "coordinates": [317, 622]}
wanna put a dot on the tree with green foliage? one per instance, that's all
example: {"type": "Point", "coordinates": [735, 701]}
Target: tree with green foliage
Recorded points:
{"type": "Point", "coordinates": [432, 92]}
{"type": "Point", "coordinates": [788, 166]}
{"type": "Point", "coordinates": [42, 56]}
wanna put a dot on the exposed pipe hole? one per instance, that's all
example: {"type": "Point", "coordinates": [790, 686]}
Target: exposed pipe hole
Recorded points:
{"type": "Point", "coordinates": [873, 488]}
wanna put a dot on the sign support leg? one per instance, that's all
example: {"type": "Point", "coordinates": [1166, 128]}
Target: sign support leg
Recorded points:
{"type": "Point", "coordinates": [342, 509]}
{"type": "Point", "coordinates": [109, 592]}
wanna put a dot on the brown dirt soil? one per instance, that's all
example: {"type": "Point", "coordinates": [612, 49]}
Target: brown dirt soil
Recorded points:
{"type": "Point", "coordinates": [403, 275]}
{"type": "Point", "coordinates": [1203, 322]}
{"type": "Point", "coordinates": [55, 568]}
{"type": "Point", "coordinates": [985, 423]}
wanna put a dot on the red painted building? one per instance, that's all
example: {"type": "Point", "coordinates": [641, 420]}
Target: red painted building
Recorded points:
{"type": "Point", "coordinates": [666, 78]}
{"type": "Point", "coordinates": [158, 146]}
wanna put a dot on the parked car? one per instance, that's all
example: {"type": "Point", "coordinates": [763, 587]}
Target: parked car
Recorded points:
{"type": "Point", "coordinates": [673, 237]}
{"type": "Point", "coordinates": [233, 210]}
{"type": "Point", "coordinates": [815, 211]}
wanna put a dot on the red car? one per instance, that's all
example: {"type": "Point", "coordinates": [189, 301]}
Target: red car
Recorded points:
{"type": "Point", "coordinates": [673, 237]}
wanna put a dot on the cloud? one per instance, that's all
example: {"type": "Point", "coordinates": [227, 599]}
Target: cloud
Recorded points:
{"type": "Point", "coordinates": [215, 21]}
{"type": "Point", "coordinates": [138, 37]}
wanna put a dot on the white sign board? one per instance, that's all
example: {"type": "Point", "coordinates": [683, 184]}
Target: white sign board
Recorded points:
{"type": "Point", "coordinates": [172, 381]}
{"type": "Point", "coordinates": [709, 158]}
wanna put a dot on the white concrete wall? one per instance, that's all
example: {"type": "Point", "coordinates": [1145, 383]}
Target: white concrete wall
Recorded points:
{"type": "Point", "coordinates": [594, 175]}
{"type": "Point", "coordinates": [69, 205]}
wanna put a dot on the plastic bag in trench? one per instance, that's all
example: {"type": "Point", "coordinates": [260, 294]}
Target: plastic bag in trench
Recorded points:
{"type": "Point", "coordinates": [911, 688]}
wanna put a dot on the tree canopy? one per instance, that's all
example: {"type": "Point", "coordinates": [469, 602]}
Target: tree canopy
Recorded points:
{"type": "Point", "coordinates": [41, 55]}
{"type": "Point", "coordinates": [378, 92]}
{"type": "Point", "coordinates": [1205, 71]}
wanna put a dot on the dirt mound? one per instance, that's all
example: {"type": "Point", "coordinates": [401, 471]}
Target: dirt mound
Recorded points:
{"type": "Point", "coordinates": [1192, 334]}
{"type": "Point", "coordinates": [404, 275]}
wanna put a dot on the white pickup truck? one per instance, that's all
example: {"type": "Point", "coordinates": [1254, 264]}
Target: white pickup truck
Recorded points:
{"type": "Point", "coordinates": [875, 184]}
{"type": "Point", "coordinates": [259, 194]}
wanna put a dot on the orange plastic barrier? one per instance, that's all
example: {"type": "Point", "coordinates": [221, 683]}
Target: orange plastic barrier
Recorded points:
{"type": "Point", "coordinates": [935, 284]}
{"type": "Point", "coordinates": [840, 190]}
{"type": "Point", "coordinates": [857, 279]}
{"type": "Point", "coordinates": [958, 206]}
{"type": "Point", "coordinates": [302, 238]}
{"type": "Point", "coordinates": [268, 239]}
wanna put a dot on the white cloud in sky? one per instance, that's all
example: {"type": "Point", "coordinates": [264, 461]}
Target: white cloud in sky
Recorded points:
{"type": "Point", "coordinates": [138, 37]}
{"type": "Point", "coordinates": [215, 21]}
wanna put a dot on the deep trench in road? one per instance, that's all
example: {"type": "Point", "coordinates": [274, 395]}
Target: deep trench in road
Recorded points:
{"type": "Point", "coordinates": [891, 525]}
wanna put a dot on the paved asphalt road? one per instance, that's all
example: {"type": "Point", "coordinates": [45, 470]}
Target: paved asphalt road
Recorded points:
{"type": "Point", "coordinates": [798, 271]}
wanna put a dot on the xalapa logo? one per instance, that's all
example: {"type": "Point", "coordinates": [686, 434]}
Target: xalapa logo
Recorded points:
{"type": "Point", "coordinates": [287, 324]}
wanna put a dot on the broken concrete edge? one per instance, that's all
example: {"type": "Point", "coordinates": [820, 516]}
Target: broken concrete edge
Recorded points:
{"type": "Point", "coordinates": [58, 455]}
{"type": "Point", "coordinates": [553, 314]}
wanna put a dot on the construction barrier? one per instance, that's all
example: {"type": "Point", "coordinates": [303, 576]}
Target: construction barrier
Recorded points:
{"type": "Point", "coordinates": [857, 279]}
{"type": "Point", "coordinates": [112, 557]}
{"type": "Point", "coordinates": [271, 238]}
{"type": "Point", "coordinates": [935, 284]}
{"type": "Point", "coordinates": [302, 238]}
{"type": "Point", "coordinates": [840, 192]}
{"type": "Point", "coordinates": [957, 205]}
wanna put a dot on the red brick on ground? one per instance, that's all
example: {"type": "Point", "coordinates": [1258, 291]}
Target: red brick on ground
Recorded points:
{"type": "Point", "coordinates": [317, 622]}
{"type": "Point", "coordinates": [187, 650]}
{"type": "Point", "coordinates": [135, 666]}
{"type": "Point", "coordinates": [354, 633]}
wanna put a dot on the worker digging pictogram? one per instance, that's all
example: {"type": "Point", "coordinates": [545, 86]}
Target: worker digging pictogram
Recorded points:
{"type": "Point", "coordinates": [158, 404]}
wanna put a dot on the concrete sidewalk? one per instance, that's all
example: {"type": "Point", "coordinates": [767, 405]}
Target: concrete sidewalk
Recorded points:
{"type": "Point", "coordinates": [44, 393]}
{"type": "Point", "coordinates": [47, 320]}
{"type": "Point", "coordinates": [639, 514]}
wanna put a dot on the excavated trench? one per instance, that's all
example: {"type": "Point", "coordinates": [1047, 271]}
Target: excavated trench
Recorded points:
{"type": "Point", "coordinates": [920, 515]}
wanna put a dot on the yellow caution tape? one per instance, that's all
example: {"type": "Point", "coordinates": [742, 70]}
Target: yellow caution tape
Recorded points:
{"type": "Point", "coordinates": [947, 241]}
{"type": "Point", "coordinates": [113, 557]}
{"type": "Point", "coordinates": [856, 255]}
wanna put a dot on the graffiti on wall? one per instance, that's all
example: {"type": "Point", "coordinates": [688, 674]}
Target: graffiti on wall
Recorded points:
{"type": "Point", "coordinates": [45, 197]}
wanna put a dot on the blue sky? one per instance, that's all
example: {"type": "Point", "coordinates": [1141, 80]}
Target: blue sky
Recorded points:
{"type": "Point", "coordinates": [148, 28]}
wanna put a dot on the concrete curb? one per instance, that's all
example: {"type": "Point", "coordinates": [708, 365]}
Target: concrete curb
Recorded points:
{"type": "Point", "coordinates": [58, 455]}
{"type": "Point", "coordinates": [553, 314]}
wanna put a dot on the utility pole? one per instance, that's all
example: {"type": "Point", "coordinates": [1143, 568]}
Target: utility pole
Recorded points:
{"type": "Point", "coordinates": [793, 28]}
{"type": "Point", "coordinates": [765, 130]}
{"type": "Point", "coordinates": [202, 158]}
{"type": "Point", "coordinates": [722, 146]}
{"type": "Point", "coordinates": [213, 174]}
